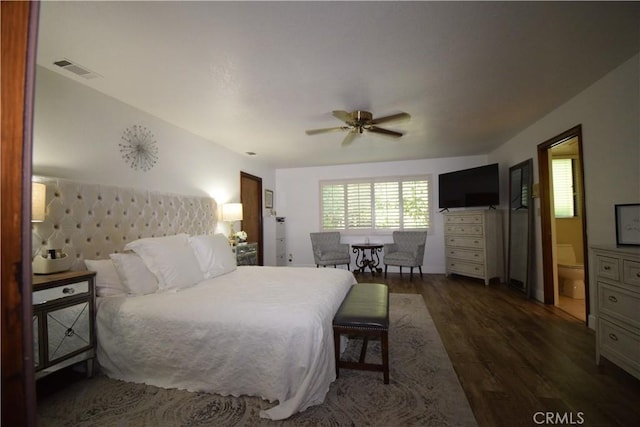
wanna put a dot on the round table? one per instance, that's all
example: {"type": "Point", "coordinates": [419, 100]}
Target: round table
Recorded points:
{"type": "Point", "coordinates": [362, 261]}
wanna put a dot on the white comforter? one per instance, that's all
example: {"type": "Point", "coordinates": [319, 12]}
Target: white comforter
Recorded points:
{"type": "Point", "coordinates": [259, 331]}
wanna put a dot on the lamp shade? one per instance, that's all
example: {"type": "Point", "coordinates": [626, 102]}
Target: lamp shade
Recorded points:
{"type": "Point", "coordinates": [232, 212]}
{"type": "Point", "coordinates": [38, 196]}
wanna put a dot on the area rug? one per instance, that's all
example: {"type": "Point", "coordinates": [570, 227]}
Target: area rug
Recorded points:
{"type": "Point", "coordinates": [423, 391]}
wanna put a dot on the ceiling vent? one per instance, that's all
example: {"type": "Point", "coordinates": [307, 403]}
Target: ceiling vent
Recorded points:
{"type": "Point", "coordinates": [76, 69]}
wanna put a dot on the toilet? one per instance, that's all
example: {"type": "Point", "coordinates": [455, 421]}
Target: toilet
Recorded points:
{"type": "Point", "coordinates": [570, 273]}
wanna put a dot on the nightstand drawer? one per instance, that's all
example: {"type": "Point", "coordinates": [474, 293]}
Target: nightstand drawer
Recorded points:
{"type": "Point", "coordinates": [607, 268]}
{"type": "Point", "coordinates": [466, 268]}
{"type": "Point", "coordinates": [476, 230]}
{"type": "Point", "coordinates": [631, 272]}
{"type": "Point", "coordinates": [465, 242]}
{"type": "Point", "coordinates": [463, 219]}
{"type": "Point", "coordinates": [619, 304]}
{"type": "Point", "coordinates": [467, 255]}
{"type": "Point", "coordinates": [64, 291]}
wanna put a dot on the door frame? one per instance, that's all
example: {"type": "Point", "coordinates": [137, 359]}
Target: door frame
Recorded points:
{"type": "Point", "coordinates": [18, 38]}
{"type": "Point", "coordinates": [546, 214]}
{"type": "Point", "coordinates": [244, 195]}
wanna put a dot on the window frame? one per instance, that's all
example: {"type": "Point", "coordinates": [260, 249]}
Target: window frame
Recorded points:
{"type": "Point", "coordinates": [372, 230]}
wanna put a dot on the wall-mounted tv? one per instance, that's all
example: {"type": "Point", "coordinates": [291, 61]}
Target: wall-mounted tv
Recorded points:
{"type": "Point", "coordinates": [478, 186]}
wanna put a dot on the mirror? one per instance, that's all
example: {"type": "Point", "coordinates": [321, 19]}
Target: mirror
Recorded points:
{"type": "Point", "coordinates": [520, 226]}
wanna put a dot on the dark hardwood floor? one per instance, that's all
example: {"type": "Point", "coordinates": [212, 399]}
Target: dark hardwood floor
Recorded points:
{"type": "Point", "coordinates": [520, 361]}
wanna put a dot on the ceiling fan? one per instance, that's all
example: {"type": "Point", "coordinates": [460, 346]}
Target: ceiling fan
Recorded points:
{"type": "Point", "coordinates": [359, 121]}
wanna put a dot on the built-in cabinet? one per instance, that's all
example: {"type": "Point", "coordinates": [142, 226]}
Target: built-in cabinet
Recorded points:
{"type": "Point", "coordinates": [281, 242]}
{"type": "Point", "coordinates": [617, 273]}
{"type": "Point", "coordinates": [63, 321]}
{"type": "Point", "coordinates": [473, 244]}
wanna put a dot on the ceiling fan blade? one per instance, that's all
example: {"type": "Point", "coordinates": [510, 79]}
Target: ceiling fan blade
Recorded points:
{"type": "Point", "coordinates": [349, 138]}
{"type": "Point", "coordinates": [391, 118]}
{"type": "Point", "coordinates": [384, 131]}
{"type": "Point", "coordinates": [342, 115]}
{"type": "Point", "coordinates": [325, 130]}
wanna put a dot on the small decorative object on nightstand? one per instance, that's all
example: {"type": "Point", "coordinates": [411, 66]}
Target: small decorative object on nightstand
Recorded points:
{"type": "Point", "coordinates": [246, 254]}
{"type": "Point", "coordinates": [63, 321]}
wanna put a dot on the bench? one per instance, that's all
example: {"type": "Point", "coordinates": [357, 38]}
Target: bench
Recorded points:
{"type": "Point", "coordinates": [364, 312]}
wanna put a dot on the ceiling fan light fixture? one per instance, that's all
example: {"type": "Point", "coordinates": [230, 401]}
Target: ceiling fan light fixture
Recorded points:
{"type": "Point", "coordinates": [358, 121]}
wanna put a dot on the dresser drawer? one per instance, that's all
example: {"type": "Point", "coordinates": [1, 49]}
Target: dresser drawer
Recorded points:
{"type": "Point", "coordinates": [64, 291]}
{"type": "Point", "coordinates": [607, 267]}
{"type": "Point", "coordinates": [619, 303]}
{"type": "Point", "coordinates": [475, 230]}
{"type": "Point", "coordinates": [619, 344]}
{"type": "Point", "coordinates": [466, 255]}
{"type": "Point", "coordinates": [465, 242]}
{"type": "Point", "coordinates": [465, 268]}
{"type": "Point", "coordinates": [463, 219]}
{"type": "Point", "coordinates": [631, 272]}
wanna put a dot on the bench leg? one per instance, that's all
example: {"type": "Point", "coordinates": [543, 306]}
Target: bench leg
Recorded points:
{"type": "Point", "coordinates": [336, 347]}
{"type": "Point", "coordinates": [385, 355]}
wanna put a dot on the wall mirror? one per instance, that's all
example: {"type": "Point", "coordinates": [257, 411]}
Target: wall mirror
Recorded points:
{"type": "Point", "coordinates": [519, 263]}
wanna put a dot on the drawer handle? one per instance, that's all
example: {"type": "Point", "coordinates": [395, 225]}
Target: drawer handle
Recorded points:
{"type": "Point", "coordinates": [69, 291]}
{"type": "Point", "coordinates": [70, 332]}
{"type": "Point", "coordinates": [606, 268]}
{"type": "Point", "coordinates": [613, 337]}
{"type": "Point", "coordinates": [476, 242]}
{"type": "Point", "coordinates": [476, 255]}
{"type": "Point", "coordinates": [638, 274]}
{"type": "Point", "coordinates": [612, 298]}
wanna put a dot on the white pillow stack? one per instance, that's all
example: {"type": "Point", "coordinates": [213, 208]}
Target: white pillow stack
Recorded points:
{"type": "Point", "coordinates": [213, 254]}
{"type": "Point", "coordinates": [162, 263]}
{"type": "Point", "coordinates": [170, 259]}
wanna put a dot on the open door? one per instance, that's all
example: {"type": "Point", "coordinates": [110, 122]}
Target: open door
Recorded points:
{"type": "Point", "coordinates": [251, 199]}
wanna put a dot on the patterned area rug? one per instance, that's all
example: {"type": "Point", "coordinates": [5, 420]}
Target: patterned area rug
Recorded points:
{"type": "Point", "coordinates": [423, 390]}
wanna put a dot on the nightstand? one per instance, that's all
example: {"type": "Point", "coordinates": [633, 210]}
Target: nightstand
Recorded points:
{"type": "Point", "coordinates": [63, 321]}
{"type": "Point", "coordinates": [246, 254]}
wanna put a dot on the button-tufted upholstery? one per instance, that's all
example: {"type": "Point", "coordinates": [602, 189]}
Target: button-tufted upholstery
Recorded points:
{"type": "Point", "coordinates": [89, 221]}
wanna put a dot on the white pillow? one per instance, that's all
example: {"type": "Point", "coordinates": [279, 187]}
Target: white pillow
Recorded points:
{"type": "Point", "coordinates": [134, 275]}
{"type": "Point", "coordinates": [170, 258]}
{"type": "Point", "coordinates": [108, 282]}
{"type": "Point", "coordinates": [214, 255]}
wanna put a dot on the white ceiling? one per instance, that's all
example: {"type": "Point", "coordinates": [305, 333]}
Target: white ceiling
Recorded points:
{"type": "Point", "coordinates": [254, 76]}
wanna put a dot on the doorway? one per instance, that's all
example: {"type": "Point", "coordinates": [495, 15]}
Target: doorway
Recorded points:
{"type": "Point", "coordinates": [563, 223]}
{"type": "Point", "coordinates": [251, 199]}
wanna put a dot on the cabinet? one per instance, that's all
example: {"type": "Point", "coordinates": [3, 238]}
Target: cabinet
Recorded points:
{"type": "Point", "coordinates": [281, 242]}
{"type": "Point", "coordinates": [617, 274]}
{"type": "Point", "coordinates": [473, 244]}
{"type": "Point", "coordinates": [246, 254]}
{"type": "Point", "coordinates": [63, 321]}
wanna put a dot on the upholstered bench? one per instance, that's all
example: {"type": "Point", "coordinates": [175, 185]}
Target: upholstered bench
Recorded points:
{"type": "Point", "coordinates": [364, 312]}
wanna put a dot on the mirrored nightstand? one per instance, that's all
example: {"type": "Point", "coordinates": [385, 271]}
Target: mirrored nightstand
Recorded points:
{"type": "Point", "coordinates": [246, 253]}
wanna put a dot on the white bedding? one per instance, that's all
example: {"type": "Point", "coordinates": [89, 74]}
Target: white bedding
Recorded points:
{"type": "Point", "coordinates": [259, 331]}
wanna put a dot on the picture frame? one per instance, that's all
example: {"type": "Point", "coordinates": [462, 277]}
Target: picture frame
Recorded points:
{"type": "Point", "coordinates": [628, 224]}
{"type": "Point", "coordinates": [268, 199]}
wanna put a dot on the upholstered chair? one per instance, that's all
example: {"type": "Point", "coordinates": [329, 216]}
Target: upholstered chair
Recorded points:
{"type": "Point", "coordinates": [327, 249]}
{"type": "Point", "coordinates": [407, 250]}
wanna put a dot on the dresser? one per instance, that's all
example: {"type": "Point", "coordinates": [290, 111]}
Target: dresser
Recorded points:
{"type": "Point", "coordinates": [617, 274]}
{"type": "Point", "coordinates": [281, 242]}
{"type": "Point", "coordinates": [473, 244]}
{"type": "Point", "coordinates": [63, 321]}
{"type": "Point", "coordinates": [246, 253]}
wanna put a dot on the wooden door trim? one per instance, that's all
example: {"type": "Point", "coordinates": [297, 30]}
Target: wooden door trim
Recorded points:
{"type": "Point", "coordinates": [258, 180]}
{"type": "Point", "coordinates": [545, 214]}
{"type": "Point", "coordinates": [19, 37]}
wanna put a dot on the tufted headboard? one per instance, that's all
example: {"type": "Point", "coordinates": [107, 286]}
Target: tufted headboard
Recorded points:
{"type": "Point", "coordinates": [89, 221]}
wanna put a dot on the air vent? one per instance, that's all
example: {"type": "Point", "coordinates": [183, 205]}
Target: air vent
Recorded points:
{"type": "Point", "coordinates": [76, 69]}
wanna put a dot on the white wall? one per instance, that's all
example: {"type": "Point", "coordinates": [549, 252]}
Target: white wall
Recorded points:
{"type": "Point", "coordinates": [298, 199]}
{"type": "Point", "coordinates": [609, 112]}
{"type": "Point", "coordinates": [76, 135]}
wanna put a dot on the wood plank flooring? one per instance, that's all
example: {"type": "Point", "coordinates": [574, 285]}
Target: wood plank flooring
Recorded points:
{"type": "Point", "coordinates": [518, 359]}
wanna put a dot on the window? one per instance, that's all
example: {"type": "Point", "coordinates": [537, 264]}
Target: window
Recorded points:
{"type": "Point", "coordinates": [376, 205]}
{"type": "Point", "coordinates": [564, 195]}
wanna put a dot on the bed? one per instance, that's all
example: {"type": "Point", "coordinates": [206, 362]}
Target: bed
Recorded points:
{"type": "Point", "coordinates": [195, 322]}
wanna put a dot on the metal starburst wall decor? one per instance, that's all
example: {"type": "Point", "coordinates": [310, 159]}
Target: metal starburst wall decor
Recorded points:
{"type": "Point", "coordinates": [139, 149]}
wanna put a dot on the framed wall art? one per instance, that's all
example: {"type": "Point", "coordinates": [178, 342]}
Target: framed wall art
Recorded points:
{"type": "Point", "coordinates": [268, 199]}
{"type": "Point", "coordinates": [628, 224]}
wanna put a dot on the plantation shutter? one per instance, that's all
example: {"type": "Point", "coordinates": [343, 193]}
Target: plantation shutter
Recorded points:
{"type": "Point", "coordinates": [415, 204]}
{"type": "Point", "coordinates": [387, 205]}
{"type": "Point", "coordinates": [563, 194]}
{"type": "Point", "coordinates": [359, 206]}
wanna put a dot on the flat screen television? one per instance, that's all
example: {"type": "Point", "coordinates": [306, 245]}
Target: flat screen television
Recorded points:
{"type": "Point", "coordinates": [473, 187]}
